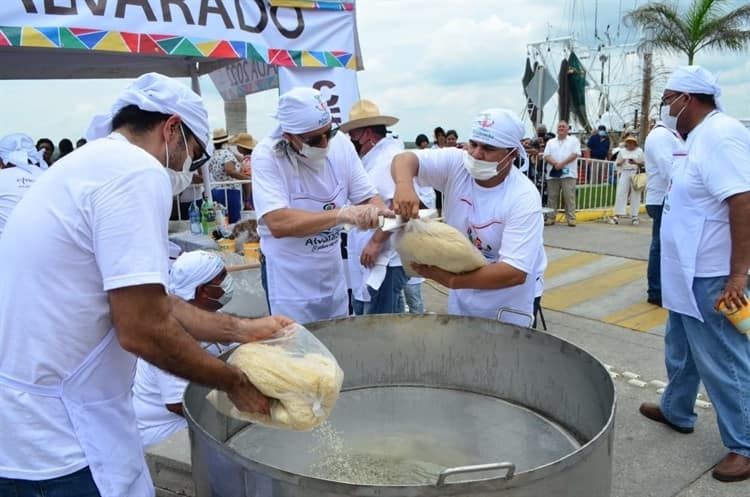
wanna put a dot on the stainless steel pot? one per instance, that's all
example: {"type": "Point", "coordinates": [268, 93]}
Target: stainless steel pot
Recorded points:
{"type": "Point", "coordinates": [435, 378]}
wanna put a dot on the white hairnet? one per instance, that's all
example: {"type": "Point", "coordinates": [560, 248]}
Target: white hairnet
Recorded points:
{"type": "Point", "coordinates": [301, 110]}
{"type": "Point", "coordinates": [191, 270]}
{"type": "Point", "coordinates": [19, 149]}
{"type": "Point", "coordinates": [154, 92]}
{"type": "Point", "coordinates": [695, 79]}
{"type": "Point", "coordinates": [500, 128]}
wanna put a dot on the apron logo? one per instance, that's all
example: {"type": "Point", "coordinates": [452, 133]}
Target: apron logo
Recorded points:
{"type": "Point", "coordinates": [329, 206]}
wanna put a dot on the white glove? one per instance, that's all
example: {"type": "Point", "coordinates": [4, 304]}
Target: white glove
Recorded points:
{"type": "Point", "coordinates": [363, 217]}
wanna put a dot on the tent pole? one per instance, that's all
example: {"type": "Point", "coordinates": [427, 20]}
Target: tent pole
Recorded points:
{"type": "Point", "coordinates": [196, 86]}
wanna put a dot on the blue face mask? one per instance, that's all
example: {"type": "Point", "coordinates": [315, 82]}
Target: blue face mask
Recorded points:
{"type": "Point", "coordinates": [602, 133]}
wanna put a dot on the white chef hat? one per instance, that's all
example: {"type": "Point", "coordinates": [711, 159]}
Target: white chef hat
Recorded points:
{"type": "Point", "coordinates": [301, 110]}
{"type": "Point", "coordinates": [191, 270]}
{"type": "Point", "coordinates": [19, 149]}
{"type": "Point", "coordinates": [695, 79]}
{"type": "Point", "coordinates": [500, 128]}
{"type": "Point", "coordinates": [154, 92]}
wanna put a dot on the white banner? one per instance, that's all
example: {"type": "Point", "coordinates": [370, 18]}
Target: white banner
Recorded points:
{"type": "Point", "coordinates": [244, 78]}
{"type": "Point", "coordinates": [338, 86]}
{"type": "Point", "coordinates": [323, 35]}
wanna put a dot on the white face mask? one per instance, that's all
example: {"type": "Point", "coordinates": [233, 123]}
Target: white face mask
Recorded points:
{"type": "Point", "coordinates": [188, 159]}
{"type": "Point", "coordinates": [227, 286]}
{"type": "Point", "coordinates": [668, 120]}
{"type": "Point", "coordinates": [179, 180]}
{"type": "Point", "coordinates": [482, 169]}
{"type": "Point", "coordinates": [313, 157]}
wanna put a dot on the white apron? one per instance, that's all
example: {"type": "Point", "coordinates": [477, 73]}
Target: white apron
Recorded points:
{"type": "Point", "coordinates": [306, 275]}
{"type": "Point", "coordinates": [485, 230]}
{"type": "Point", "coordinates": [97, 398]}
{"type": "Point", "coordinates": [681, 232]}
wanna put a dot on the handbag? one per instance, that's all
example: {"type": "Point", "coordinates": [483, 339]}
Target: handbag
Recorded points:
{"type": "Point", "coordinates": [638, 180]}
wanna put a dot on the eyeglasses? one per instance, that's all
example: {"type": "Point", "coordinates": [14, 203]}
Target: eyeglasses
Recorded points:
{"type": "Point", "coordinates": [204, 157]}
{"type": "Point", "coordinates": [316, 140]}
{"type": "Point", "coordinates": [668, 99]}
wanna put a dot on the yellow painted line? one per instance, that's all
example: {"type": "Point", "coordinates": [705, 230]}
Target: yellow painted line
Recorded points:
{"type": "Point", "coordinates": [640, 317]}
{"type": "Point", "coordinates": [567, 296]}
{"type": "Point", "coordinates": [565, 264]}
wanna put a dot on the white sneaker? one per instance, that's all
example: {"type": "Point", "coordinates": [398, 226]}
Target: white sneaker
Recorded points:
{"type": "Point", "coordinates": [636, 221]}
{"type": "Point", "coordinates": [614, 220]}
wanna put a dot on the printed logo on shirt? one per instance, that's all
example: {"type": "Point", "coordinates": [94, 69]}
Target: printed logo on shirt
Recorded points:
{"type": "Point", "coordinates": [323, 240]}
{"type": "Point", "coordinates": [24, 182]}
{"type": "Point", "coordinates": [329, 206]}
{"type": "Point", "coordinates": [486, 250]}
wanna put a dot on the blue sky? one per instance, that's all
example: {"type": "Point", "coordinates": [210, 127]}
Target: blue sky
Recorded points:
{"type": "Point", "coordinates": [427, 62]}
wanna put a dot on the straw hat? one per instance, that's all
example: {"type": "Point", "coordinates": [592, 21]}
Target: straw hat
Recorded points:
{"type": "Point", "coordinates": [631, 138]}
{"type": "Point", "coordinates": [244, 140]}
{"type": "Point", "coordinates": [220, 136]}
{"type": "Point", "coordinates": [365, 113]}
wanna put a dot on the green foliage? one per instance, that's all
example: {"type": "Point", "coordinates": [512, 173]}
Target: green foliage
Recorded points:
{"type": "Point", "coordinates": [705, 24]}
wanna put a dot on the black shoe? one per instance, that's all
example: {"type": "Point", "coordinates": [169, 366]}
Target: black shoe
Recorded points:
{"type": "Point", "coordinates": [654, 301]}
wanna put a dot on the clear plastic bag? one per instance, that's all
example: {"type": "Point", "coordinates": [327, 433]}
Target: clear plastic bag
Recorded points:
{"type": "Point", "coordinates": [294, 369]}
{"type": "Point", "coordinates": [436, 244]}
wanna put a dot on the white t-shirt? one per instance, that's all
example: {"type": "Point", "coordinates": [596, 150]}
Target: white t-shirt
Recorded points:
{"type": "Point", "coordinates": [14, 183]}
{"type": "Point", "coordinates": [275, 178]}
{"type": "Point", "coordinates": [717, 166]}
{"type": "Point", "coordinates": [625, 154]}
{"type": "Point", "coordinates": [95, 222]}
{"type": "Point", "coordinates": [561, 150]}
{"type": "Point", "coordinates": [513, 208]}
{"type": "Point", "coordinates": [153, 389]}
{"type": "Point", "coordinates": [663, 147]}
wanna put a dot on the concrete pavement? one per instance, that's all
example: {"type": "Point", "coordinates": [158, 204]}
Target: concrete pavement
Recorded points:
{"type": "Point", "coordinates": [611, 322]}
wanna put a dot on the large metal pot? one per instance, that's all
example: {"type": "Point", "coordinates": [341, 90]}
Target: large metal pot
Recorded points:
{"type": "Point", "coordinates": [427, 362]}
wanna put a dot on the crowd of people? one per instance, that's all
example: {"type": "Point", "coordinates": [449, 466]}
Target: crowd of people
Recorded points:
{"type": "Point", "coordinates": [80, 276]}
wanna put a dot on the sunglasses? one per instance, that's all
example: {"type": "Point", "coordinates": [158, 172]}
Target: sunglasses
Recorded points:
{"type": "Point", "coordinates": [204, 157]}
{"type": "Point", "coordinates": [669, 99]}
{"type": "Point", "coordinates": [316, 140]}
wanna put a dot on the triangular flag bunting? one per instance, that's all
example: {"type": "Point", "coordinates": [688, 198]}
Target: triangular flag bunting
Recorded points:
{"type": "Point", "coordinates": [167, 44]}
{"type": "Point", "coordinates": [296, 56]}
{"type": "Point", "coordinates": [149, 46]}
{"type": "Point", "coordinates": [223, 50]}
{"type": "Point", "coordinates": [4, 42]}
{"type": "Point", "coordinates": [239, 48]}
{"type": "Point", "coordinates": [83, 31]}
{"type": "Point", "coordinates": [255, 54]}
{"type": "Point", "coordinates": [12, 34]}
{"type": "Point", "coordinates": [352, 64]}
{"type": "Point", "coordinates": [310, 60]}
{"type": "Point", "coordinates": [343, 57]}
{"type": "Point", "coordinates": [33, 38]}
{"type": "Point", "coordinates": [52, 34]}
{"type": "Point", "coordinates": [332, 61]}
{"type": "Point", "coordinates": [206, 47]}
{"type": "Point", "coordinates": [160, 38]}
{"type": "Point", "coordinates": [131, 40]}
{"type": "Point", "coordinates": [113, 42]}
{"type": "Point", "coordinates": [69, 40]}
{"type": "Point", "coordinates": [91, 39]}
{"type": "Point", "coordinates": [280, 58]}
{"type": "Point", "coordinates": [186, 48]}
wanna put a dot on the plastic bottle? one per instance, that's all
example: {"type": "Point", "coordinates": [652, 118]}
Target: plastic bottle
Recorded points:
{"type": "Point", "coordinates": [195, 219]}
{"type": "Point", "coordinates": [208, 218]}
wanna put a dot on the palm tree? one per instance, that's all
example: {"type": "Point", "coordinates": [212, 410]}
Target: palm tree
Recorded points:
{"type": "Point", "coordinates": [705, 24]}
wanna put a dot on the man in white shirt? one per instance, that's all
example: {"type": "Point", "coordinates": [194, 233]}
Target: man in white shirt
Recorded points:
{"type": "Point", "coordinates": [561, 155]}
{"type": "Point", "coordinates": [201, 279]}
{"type": "Point", "coordinates": [494, 204]}
{"type": "Point", "coordinates": [705, 258]}
{"type": "Point", "coordinates": [662, 148]}
{"type": "Point", "coordinates": [308, 182]}
{"type": "Point", "coordinates": [375, 270]}
{"type": "Point", "coordinates": [83, 293]}
{"type": "Point", "coordinates": [20, 165]}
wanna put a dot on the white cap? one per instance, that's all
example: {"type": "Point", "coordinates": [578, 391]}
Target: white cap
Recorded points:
{"type": "Point", "coordinates": [19, 149]}
{"type": "Point", "coordinates": [302, 110]}
{"type": "Point", "coordinates": [191, 270]}
{"type": "Point", "coordinates": [500, 128]}
{"type": "Point", "coordinates": [695, 79]}
{"type": "Point", "coordinates": [154, 92]}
